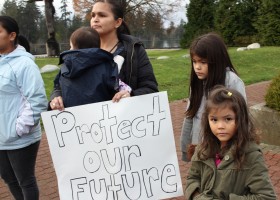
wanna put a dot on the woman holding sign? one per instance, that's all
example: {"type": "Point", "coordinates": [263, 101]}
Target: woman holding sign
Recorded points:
{"type": "Point", "coordinates": [22, 99]}
{"type": "Point", "coordinates": [136, 69]}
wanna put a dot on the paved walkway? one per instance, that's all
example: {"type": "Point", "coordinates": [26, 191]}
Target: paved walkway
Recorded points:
{"type": "Point", "coordinates": [47, 179]}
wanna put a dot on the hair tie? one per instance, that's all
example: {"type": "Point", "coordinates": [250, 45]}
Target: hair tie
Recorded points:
{"type": "Point", "coordinates": [229, 94]}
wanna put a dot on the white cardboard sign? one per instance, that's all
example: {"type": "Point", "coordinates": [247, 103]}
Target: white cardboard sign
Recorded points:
{"type": "Point", "coordinates": [115, 151]}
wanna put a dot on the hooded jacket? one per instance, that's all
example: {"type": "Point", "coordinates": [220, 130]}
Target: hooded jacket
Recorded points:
{"type": "Point", "coordinates": [22, 99]}
{"type": "Point", "coordinates": [226, 181]}
{"type": "Point", "coordinates": [87, 76]}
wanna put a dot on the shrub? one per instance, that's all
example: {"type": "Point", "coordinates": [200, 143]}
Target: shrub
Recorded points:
{"type": "Point", "coordinates": [272, 96]}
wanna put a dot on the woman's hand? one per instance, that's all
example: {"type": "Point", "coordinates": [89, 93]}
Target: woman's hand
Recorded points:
{"type": "Point", "coordinates": [120, 94]}
{"type": "Point", "coordinates": [57, 104]}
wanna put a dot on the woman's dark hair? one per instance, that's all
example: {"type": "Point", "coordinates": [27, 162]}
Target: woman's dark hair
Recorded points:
{"type": "Point", "coordinates": [222, 97]}
{"type": "Point", "coordinates": [85, 37]}
{"type": "Point", "coordinates": [24, 42]}
{"type": "Point", "coordinates": [118, 11]}
{"type": "Point", "coordinates": [212, 48]}
{"type": "Point", "coordinates": [10, 25]}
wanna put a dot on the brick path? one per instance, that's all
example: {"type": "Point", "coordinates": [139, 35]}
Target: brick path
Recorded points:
{"type": "Point", "coordinates": [47, 179]}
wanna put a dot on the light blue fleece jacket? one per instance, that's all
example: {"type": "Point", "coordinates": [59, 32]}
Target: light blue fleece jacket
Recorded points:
{"type": "Point", "coordinates": [22, 99]}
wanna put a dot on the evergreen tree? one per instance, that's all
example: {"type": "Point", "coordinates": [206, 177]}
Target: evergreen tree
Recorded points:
{"type": "Point", "coordinates": [268, 23]}
{"type": "Point", "coordinates": [234, 20]}
{"type": "Point", "coordinates": [10, 8]}
{"type": "Point", "coordinates": [170, 31]}
{"type": "Point", "coordinates": [65, 19]}
{"type": "Point", "coordinates": [179, 32]}
{"type": "Point", "coordinates": [174, 34]}
{"type": "Point", "coordinates": [28, 18]}
{"type": "Point", "coordinates": [76, 23]}
{"type": "Point", "coordinates": [27, 15]}
{"type": "Point", "coordinates": [43, 34]}
{"type": "Point", "coordinates": [200, 14]}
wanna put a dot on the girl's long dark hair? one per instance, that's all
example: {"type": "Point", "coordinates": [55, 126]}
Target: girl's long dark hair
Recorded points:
{"type": "Point", "coordinates": [118, 11]}
{"type": "Point", "coordinates": [212, 48]}
{"type": "Point", "coordinates": [24, 42]}
{"type": "Point", "coordinates": [221, 97]}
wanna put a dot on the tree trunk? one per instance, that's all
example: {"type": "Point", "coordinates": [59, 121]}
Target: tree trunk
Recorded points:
{"type": "Point", "coordinates": [51, 45]}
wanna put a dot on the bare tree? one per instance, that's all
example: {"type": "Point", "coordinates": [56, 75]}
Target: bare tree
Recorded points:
{"type": "Point", "coordinates": [164, 7]}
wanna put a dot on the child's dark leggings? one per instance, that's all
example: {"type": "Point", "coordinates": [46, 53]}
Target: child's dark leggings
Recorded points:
{"type": "Point", "coordinates": [17, 168]}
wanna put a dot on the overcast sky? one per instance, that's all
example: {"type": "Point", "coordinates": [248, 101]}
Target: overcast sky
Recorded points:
{"type": "Point", "coordinates": [175, 17]}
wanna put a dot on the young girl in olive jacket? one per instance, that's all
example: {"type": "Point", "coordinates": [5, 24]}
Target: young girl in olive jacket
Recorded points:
{"type": "Point", "coordinates": [228, 164]}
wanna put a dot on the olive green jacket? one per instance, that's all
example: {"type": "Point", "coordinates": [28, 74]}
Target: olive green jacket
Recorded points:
{"type": "Point", "coordinates": [226, 182]}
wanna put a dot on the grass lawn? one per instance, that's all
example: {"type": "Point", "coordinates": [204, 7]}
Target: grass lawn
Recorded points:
{"type": "Point", "coordinates": [173, 74]}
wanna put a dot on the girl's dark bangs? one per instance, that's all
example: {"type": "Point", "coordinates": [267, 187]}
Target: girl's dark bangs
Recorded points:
{"type": "Point", "coordinates": [199, 50]}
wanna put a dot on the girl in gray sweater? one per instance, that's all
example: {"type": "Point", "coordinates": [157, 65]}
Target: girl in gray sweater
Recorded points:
{"type": "Point", "coordinates": [211, 65]}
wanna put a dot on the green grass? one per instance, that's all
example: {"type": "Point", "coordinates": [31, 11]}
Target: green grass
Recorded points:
{"type": "Point", "coordinates": [48, 77]}
{"type": "Point", "coordinates": [173, 74]}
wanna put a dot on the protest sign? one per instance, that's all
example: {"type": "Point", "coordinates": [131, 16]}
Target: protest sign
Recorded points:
{"type": "Point", "coordinates": [115, 151]}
